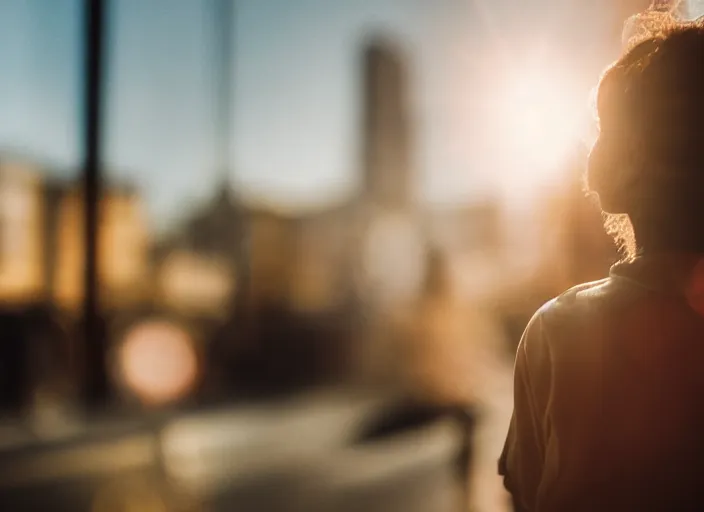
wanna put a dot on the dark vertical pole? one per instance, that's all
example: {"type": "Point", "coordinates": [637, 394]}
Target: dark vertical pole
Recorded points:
{"type": "Point", "coordinates": [93, 360]}
{"type": "Point", "coordinates": [224, 85]}
{"type": "Point", "coordinates": [225, 20]}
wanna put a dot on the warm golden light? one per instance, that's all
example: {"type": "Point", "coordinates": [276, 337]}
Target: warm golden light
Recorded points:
{"type": "Point", "coordinates": [539, 119]}
{"type": "Point", "coordinates": [157, 362]}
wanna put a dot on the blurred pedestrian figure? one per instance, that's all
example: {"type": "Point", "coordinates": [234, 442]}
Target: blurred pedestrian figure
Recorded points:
{"type": "Point", "coordinates": [455, 364]}
{"type": "Point", "coordinates": [608, 410]}
{"type": "Point", "coordinates": [437, 345]}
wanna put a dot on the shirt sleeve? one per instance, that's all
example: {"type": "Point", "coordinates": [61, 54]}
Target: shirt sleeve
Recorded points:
{"type": "Point", "coordinates": [522, 460]}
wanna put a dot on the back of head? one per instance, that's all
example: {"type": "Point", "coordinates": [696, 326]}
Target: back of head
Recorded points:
{"type": "Point", "coordinates": [648, 162]}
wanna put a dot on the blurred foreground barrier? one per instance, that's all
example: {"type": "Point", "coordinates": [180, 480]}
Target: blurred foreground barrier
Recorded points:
{"type": "Point", "coordinates": [299, 455]}
{"type": "Point", "coordinates": [67, 474]}
{"type": "Point", "coordinates": [203, 452]}
{"type": "Point", "coordinates": [413, 471]}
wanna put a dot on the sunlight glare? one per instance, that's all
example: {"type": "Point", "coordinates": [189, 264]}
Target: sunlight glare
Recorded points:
{"type": "Point", "coordinates": [540, 119]}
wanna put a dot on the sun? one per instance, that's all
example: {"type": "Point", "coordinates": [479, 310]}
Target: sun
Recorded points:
{"type": "Point", "coordinates": [540, 118]}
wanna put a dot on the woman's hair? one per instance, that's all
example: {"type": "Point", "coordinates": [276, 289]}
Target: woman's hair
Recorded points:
{"type": "Point", "coordinates": [647, 167]}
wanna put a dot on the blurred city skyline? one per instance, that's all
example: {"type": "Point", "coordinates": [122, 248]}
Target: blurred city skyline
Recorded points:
{"type": "Point", "coordinates": [296, 90]}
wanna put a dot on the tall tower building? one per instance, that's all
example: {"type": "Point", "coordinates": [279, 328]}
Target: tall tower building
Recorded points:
{"type": "Point", "coordinates": [387, 161]}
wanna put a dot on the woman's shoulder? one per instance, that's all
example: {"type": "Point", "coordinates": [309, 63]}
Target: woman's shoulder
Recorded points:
{"type": "Point", "coordinates": [565, 325]}
{"type": "Point", "coordinates": [580, 304]}
{"type": "Point", "coordinates": [586, 293]}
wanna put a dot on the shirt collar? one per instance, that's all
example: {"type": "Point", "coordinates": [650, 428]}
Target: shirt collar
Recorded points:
{"type": "Point", "coordinates": [672, 273]}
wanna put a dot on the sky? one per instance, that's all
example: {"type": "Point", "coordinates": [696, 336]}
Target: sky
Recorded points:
{"type": "Point", "coordinates": [296, 108]}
